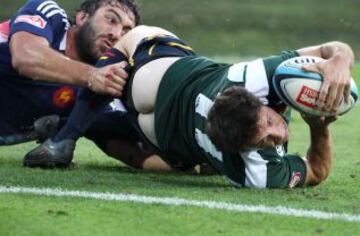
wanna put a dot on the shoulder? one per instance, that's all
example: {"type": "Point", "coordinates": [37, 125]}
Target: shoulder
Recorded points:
{"type": "Point", "coordinates": [47, 10]}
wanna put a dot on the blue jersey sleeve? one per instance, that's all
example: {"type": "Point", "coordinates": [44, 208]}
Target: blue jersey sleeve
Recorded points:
{"type": "Point", "coordinates": [44, 18]}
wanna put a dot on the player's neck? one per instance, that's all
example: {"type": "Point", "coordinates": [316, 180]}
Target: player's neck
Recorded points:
{"type": "Point", "coordinates": [71, 50]}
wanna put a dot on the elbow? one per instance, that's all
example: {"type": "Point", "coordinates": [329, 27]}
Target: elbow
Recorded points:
{"type": "Point", "coordinates": [318, 174]}
{"type": "Point", "coordinates": [338, 49]}
{"type": "Point", "coordinates": [318, 179]}
{"type": "Point", "coordinates": [338, 44]}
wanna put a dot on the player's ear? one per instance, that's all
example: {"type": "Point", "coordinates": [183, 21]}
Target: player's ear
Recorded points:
{"type": "Point", "coordinates": [81, 17]}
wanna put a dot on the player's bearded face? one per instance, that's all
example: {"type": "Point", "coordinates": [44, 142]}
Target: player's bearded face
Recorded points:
{"type": "Point", "coordinates": [102, 30]}
{"type": "Point", "coordinates": [86, 42]}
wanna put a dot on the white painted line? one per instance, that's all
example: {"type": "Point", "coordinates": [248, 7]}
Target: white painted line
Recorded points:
{"type": "Point", "coordinates": [277, 210]}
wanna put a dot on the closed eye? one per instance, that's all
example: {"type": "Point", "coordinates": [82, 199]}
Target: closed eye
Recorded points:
{"type": "Point", "coordinates": [112, 19]}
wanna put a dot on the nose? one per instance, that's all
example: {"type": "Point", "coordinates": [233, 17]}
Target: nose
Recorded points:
{"type": "Point", "coordinates": [116, 33]}
{"type": "Point", "coordinates": [278, 135]}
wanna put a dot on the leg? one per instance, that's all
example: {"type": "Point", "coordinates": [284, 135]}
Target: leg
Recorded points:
{"type": "Point", "coordinates": [146, 83]}
{"type": "Point", "coordinates": [136, 155]}
{"type": "Point", "coordinates": [147, 125]}
{"type": "Point", "coordinates": [129, 42]}
{"type": "Point", "coordinates": [85, 111]}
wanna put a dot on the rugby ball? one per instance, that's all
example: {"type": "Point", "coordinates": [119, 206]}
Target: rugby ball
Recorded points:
{"type": "Point", "coordinates": [299, 89]}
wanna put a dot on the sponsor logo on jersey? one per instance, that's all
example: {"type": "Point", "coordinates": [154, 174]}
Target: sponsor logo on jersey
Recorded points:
{"type": "Point", "coordinates": [4, 31]}
{"type": "Point", "coordinates": [307, 97]}
{"type": "Point", "coordinates": [5, 27]}
{"type": "Point", "coordinates": [34, 20]}
{"type": "Point", "coordinates": [64, 97]}
{"type": "Point", "coordinates": [295, 179]}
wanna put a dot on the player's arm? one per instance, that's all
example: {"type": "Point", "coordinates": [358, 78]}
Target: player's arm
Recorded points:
{"type": "Point", "coordinates": [336, 70]}
{"type": "Point", "coordinates": [33, 58]}
{"type": "Point", "coordinates": [319, 155]}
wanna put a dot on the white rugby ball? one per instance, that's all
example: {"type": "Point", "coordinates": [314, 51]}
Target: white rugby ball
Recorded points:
{"type": "Point", "coordinates": [300, 89]}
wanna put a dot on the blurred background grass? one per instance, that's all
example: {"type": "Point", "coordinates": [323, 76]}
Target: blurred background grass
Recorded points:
{"type": "Point", "coordinates": [244, 28]}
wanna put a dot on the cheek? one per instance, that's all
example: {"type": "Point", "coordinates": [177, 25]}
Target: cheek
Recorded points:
{"type": "Point", "coordinates": [98, 26]}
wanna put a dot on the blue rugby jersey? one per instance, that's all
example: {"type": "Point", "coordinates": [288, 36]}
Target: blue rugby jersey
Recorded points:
{"type": "Point", "coordinates": [23, 100]}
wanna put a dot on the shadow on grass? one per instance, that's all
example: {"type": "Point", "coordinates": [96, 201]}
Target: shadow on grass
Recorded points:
{"type": "Point", "coordinates": [105, 174]}
{"type": "Point", "coordinates": [176, 179]}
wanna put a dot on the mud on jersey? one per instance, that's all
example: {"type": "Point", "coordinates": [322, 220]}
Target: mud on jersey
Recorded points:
{"type": "Point", "coordinates": [185, 96]}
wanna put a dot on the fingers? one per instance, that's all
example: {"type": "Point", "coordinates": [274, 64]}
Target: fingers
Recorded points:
{"type": "Point", "coordinates": [312, 68]}
{"type": "Point", "coordinates": [114, 83]}
{"type": "Point", "coordinates": [327, 94]}
{"type": "Point", "coordinates": [346, 93]}
{"type": "Point", "coordinates": [321, 100]}
{"type": "Point", "coordinates": [109, 80]}
{"type": "Point", "coordinates": [119, 69]}
{"type": "Point", "coordinates": [335, 86]}
{"type": "Point", "coordinates": [333, 99]}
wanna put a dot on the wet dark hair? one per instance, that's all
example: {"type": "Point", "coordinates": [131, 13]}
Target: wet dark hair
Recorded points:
{"type": "Point", "coordinates": [233, 120]}
{"type": "Point", "coordinates": [90, 7]}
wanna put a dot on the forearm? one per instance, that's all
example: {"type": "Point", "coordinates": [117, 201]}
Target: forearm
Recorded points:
{"type": "Point", "coordinates": [45, 64]}
{"type": "Point", "coordinates": [36, 60]}
{"type": "Point", "coordinates": [319, 155]}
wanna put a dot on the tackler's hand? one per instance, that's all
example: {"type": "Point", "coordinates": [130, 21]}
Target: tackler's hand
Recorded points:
{"type": "Point", "coordinates": [109, 80]}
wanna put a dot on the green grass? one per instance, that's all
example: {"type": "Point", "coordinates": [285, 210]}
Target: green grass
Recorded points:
{"type": "Point", "coordinates": [245, 27]}
{"type": "Point", "coordinates": [34, 215]}
{"type": "Point", "coordinates": [231, 27]}
{"type": "Point", "coordinates": [70, 217]}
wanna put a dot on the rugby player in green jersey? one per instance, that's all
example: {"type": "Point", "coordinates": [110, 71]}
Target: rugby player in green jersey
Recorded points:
{"type": "Point", "coordinates": [194, 110]}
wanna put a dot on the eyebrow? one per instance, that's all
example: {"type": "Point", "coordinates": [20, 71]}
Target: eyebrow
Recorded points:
{"type": "Point", "coordinates": [116, 14]}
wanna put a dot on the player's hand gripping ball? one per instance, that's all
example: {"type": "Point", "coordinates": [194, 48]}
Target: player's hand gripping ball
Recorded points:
{"type": "Point", "coordinates": [299, 89]}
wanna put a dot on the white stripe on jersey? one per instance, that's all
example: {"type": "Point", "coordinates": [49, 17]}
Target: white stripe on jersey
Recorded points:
{"type": "Point", "coordinates": [205, 143]}
{"type": "Point", "coordinates": [255, 169]}
{"type": "Point", "coordinates": [203, 105]}
{"type": "Point", "coordinates": [42, 5]}
{"type": "Point", "coordinates": [236, 72]}
{"type": "Point", "coordinates": [51, 8]}
{"type": "Point", "coordinates": [54, 12]}
{"type": "Point", "coordinates": [254, 76]}
{"type": "Point", "coordinates": [256, 80]}
{"type": "Point", "coordinates": [62, 46]}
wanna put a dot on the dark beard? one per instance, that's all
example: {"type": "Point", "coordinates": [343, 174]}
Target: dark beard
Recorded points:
{"type": "Point", "coordinates": [84, 40]}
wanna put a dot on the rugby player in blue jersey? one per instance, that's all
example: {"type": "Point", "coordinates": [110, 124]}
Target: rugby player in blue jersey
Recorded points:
{"type": "Point", "coordinates": [45, 60]}
{"type": "Point", "coordinates": [194, 110]}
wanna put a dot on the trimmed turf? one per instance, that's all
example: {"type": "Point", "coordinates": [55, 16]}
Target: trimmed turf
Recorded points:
{"type": "Point", "coordinates": [33, 215]}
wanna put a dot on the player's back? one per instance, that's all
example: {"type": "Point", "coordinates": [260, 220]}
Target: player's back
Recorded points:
{"type": "Point", "coordinates": [178, 109]}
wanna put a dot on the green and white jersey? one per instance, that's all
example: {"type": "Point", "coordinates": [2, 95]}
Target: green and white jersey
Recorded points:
{"type": "Point", "coordinates": [186, 95]}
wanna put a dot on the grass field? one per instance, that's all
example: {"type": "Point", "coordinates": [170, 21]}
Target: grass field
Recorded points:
{"type": "Point", "coordinates": [32, 214]}
{"type": "Point", "coordinates": [214, 28]}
